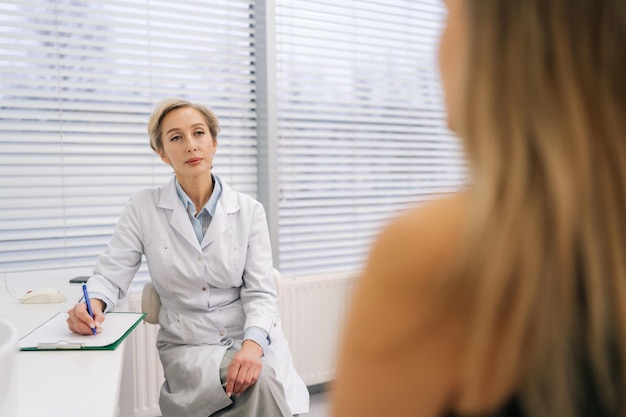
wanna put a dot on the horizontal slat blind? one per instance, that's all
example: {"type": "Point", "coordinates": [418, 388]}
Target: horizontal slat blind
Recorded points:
{"type": "Point", "coordinates": [78, 82]}
{"type": "Point", "coordinates": [361, 125]}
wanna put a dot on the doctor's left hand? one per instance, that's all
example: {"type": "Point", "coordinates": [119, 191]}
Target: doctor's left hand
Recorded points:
{"type": "Point", "coordinates": [244, 369]}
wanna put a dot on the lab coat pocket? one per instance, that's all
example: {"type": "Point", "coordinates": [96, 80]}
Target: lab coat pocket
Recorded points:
{"type": "Point", "coordinates": [226, 257]}
{"type": "Point", "coordinates": [173, 326]}
{"type": "Point", "coordinates": [237, 256]}
{"type": "Point", "coordinates": [157, 251]}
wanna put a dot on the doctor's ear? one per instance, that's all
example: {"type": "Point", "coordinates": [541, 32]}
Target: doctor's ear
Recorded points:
{"type": "Point", "coordinates": [163, 156]}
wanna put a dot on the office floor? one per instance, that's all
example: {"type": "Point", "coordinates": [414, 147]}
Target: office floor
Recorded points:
{"type": "Point", "coordinates": [319, 405]}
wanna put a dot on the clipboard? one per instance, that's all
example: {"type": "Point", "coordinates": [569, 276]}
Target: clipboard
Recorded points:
{"type": "Point", "coordinates": [54, 334]}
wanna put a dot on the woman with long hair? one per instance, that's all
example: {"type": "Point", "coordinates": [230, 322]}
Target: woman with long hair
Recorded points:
{"type": "Point", "coordinates": [508, 299]}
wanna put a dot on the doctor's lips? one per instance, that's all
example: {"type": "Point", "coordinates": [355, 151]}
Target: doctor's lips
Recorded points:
{"type": "Point", "coordinates": [193, 161]}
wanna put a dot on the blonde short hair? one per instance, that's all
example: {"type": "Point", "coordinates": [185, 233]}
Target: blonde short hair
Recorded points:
{"type": "Point", "coordinates": [167, 105]}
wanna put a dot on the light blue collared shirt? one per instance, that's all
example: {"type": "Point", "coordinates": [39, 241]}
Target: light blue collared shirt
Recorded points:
{"type": "Point", "coordinates": [201, 222]}
{"type": "Point", "coordinates": [200, 225]}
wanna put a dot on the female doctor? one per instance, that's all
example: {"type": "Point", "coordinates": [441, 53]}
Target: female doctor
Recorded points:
{"type": "Point", "coordinates": [208, 252]}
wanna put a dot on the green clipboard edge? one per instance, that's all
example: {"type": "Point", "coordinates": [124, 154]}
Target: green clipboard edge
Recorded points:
{"type": "Point", "coordinates": [111, 346]}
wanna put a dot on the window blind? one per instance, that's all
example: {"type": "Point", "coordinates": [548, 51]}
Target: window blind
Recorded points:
{"type": "Point", "coordinates": [79, 79]}
{"type": "Point", "coordinates": [361, 125]}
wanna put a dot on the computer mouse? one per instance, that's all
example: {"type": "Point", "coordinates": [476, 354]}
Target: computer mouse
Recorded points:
{"type": "Point", "coordinates": [44, 296]}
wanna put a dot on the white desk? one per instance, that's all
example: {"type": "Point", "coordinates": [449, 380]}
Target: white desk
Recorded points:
{"type": "Point", "coordinates": [59, 383]}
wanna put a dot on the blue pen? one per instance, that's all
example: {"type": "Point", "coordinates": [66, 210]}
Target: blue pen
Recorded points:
{"type": "Point", "coordinates": [88, 305]}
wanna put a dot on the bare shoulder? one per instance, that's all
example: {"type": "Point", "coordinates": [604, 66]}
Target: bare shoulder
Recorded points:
{"type": "Point", "coordinates": [435, 217]}
{"type": "Point", "coordinates": [423, 239]}
{"type": "Point", "coordinates": [402, 353]}
{"type": "Point", "coordinates": [412, 253]}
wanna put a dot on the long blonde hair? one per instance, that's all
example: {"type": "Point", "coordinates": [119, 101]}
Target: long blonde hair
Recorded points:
{"type": "Point", "coordinates": [544, 271]}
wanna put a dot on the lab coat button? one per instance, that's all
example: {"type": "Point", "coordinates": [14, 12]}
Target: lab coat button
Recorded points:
{"type": "Point", "coordinates": [200, 258]}
{"type": "Point", "coordinates": [222, 333]}
{"type": "Point", "coordinates": [203, 288]}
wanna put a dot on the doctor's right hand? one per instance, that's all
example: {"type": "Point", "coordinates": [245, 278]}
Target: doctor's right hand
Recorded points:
{"type": "Point", "coordinates": [79, 320]}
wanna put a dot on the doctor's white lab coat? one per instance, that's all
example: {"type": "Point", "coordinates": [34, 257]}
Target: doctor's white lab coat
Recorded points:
{"type": "Point", "coordinates": [211, 292]}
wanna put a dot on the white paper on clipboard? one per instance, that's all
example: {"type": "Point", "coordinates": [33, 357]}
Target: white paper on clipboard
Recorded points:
{"type": "Point", "coordinates": [54, 334]}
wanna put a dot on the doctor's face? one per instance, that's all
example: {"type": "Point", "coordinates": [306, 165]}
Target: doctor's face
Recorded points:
{"type": "Point", "coordinates": [187, 143]}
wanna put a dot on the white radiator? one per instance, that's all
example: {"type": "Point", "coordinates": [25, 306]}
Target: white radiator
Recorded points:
{"type": "Point", "coordinates": [312, 311]}
{"type": "Point", "coordinates": [143, 374]}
